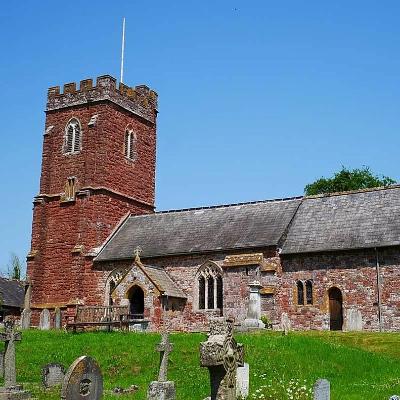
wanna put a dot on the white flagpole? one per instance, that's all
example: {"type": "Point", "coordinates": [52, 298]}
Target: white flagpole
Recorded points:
{"type": "Point", "coordinates": [123, 50]}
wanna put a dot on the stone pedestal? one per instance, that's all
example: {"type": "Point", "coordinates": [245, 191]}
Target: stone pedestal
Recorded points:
{"type": "Point", "coordinates": [161, 391]}
{"type": "Point", "coordinates": [243, 381]}
{"type": "Point", "coordinates": [14, 393]}
{"type": "Point", "coordinates": [253, 319]}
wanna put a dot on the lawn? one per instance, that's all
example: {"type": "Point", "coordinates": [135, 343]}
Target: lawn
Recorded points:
{"type": "Point", "coordinates": [359, 365]}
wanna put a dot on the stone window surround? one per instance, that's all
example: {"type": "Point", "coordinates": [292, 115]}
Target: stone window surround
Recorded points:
{"type": "Point", "coordinates": [305, 283]}
{"type": "Point", "coordinates": [75, 122]}
{"type": "Point", "coordinates": [130, 143]}
{"type": "Point", "coordinates": [205, 271]}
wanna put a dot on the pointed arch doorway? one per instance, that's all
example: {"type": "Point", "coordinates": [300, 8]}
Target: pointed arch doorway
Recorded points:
{"type": "Point", "coordinates": [335, 309]}
{"type": "Point", "coordinates": [136, 302]}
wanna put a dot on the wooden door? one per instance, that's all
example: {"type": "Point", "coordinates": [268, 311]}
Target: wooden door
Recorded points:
{"type": "Point", "coordinates": [335, 309]}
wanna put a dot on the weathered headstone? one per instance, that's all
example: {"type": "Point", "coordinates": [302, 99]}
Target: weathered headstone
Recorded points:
{"type": "Point", "coordinates": [53, 375]}
{"type": "Point", "coordinates": [322, 390]}
{"type": "Point", "coordinates": [285, 323]}
{"type": "Point", "coordinates": [354, 320]}
{"type": "Point", "coordinates": [83, 380]}
{"type": "Point", "coordinates": [253, 319]}
{"type": "Point", "coordinates": [44, 322]}
{"type": "Point", "coordinates": [243, 381]}
{"type": "Point", "coordinates": [11, 390]}
{"type": "Point", "coordinates": [221, 354]}
{"type": "Point", "coordinates": [26, 318]}
{"type": "Point", "coordinates": [162, 389]}
{"type": "Point", "coordinates": [1, 364]}
{"type": "Point", "coordinates": [57, 319]}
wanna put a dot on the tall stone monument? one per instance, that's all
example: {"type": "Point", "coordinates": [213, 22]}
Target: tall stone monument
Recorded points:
{"type": "Point", "coordinates": [26, 312]}
{"type": "Point", "coordinates": [221, 354]}
{"type": "Point", "coordinates": [163, 389]}
{"type": "Point", "coordinates": [253, 319]}
{"type": "Point", "coordinates": [11, 389]}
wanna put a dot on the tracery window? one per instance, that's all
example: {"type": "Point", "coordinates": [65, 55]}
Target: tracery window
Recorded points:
{"type": "Point", "coordinates": [129, 144]}
{"type": "Point", "coordinates": [210, 287]}
{"type": "Point", "coordinates": [72, 142]}
{"type": "Point", "coordinates": [300, 293]}
{"type": "Point", "coordinates": [309, 292]}
{"type": "Point", "coordinates": [70, 189]}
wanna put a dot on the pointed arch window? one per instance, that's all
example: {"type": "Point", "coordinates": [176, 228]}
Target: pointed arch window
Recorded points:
{"type": "Point", "coordinates": [130, 140]}
{"type": "Point", "coordinates": [300, 293]}
{"type": "Point", "coordinates": [210, 287]}
{"type": "Point", "coordinates": [73, 138]}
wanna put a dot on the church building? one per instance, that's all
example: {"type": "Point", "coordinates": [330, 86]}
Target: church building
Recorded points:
{"type": "Point", "coordinates": [321, 262]}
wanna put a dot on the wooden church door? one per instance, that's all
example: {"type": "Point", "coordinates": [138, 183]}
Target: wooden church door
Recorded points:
{"type": "Point", "coordinates": [335, 309]}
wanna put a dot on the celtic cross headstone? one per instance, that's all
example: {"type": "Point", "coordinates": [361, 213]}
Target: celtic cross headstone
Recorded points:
{"type": "Point", "coordinates": [11, 390]}
{"type": "Point", "coordinates": [222, 355]}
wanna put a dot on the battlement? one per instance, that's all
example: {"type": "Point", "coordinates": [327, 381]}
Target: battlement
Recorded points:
{"type": "Point", "coordinates": [139, 100]}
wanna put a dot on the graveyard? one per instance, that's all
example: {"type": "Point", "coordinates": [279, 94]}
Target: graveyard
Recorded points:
{"type": "Point", "coordinates": [357, 365]}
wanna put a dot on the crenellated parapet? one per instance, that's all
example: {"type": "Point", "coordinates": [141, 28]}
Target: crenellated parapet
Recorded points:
{"type": "Point", "coordinates": [139, 100]}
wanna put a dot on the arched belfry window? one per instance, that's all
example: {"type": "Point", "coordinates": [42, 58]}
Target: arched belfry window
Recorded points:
{"type": "Point", "coordinates": [300, 293]}
{"type": "Point", "coordinates": [210, 287]}
{"type": "Point", "coordinates": [309, 292]}
{"type": "Point", "coordinates": [73, 136]}
{"type": "Point", "coordinates": [130, 140]}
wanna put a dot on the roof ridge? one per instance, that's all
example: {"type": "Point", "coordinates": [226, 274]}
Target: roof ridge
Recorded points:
{"type": "Point", "coordinates": [355, 191]}
{"type": "Point", "coordinates": [227, 205]}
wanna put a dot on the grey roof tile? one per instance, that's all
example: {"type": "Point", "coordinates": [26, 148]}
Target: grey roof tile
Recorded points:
{"type": "Point", "coordinates": [163, 281]}
{"type": "Point", "coordinates": [351, 220]}
{"type": "Point", "coordinates": [12, 292]}
{"type": "Point", "coordinates": [247, 225]}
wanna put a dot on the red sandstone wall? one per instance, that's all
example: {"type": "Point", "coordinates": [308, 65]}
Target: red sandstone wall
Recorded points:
{"type": "Point", "coordinates": [63, 232]}
{"type": "Point", "coordinates": [354, 273]}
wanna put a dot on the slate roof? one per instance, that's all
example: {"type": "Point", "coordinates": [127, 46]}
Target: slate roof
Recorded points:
{"type": "Point", "coordinates": [201, 230]}
{"type": "Point", "coordinates": [12, 293]}
{"type": "Point", "coordinates": [162, 281]}
{"type": "Point", "coordinates": [364, 219]}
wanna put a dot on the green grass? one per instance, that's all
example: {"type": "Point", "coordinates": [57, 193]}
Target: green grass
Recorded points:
{"type": "Point", "coordinates": [359, 365]}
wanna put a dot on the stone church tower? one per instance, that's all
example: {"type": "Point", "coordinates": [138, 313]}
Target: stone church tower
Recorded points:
{"type": "Point", "coordinates": [98, 165]}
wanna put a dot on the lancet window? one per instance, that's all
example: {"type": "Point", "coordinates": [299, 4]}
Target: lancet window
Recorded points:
{"type": "Point", "coordinates": [129, 144]}
{"type": "Point", "coordinates": [210, 287]}
{"type": "Point", "coordinates": [72, 137]}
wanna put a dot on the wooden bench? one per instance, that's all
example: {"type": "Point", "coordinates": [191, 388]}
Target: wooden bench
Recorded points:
{"type": "Point", "coordinates": [91, 316]}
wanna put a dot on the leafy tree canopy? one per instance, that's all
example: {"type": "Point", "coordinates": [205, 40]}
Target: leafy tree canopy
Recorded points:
{"type": "Point", "coordinates": [14, 267]}
{"type": "Point", "coordinates": [346, 180]}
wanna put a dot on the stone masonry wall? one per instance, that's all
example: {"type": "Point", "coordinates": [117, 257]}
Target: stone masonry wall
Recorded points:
{"type": "Point", "coordinates": [108, 185]}
{"type": "Point", "coordinates": [354, 273]}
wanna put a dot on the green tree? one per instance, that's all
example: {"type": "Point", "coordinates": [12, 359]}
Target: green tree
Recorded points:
{"type": "Point", "coordinates": [345, 179]}
{"type": "Point", "coordinates": [14, 267]}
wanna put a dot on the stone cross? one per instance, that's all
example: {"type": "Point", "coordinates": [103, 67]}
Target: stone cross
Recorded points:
{"type": "Point", "coordinates": [162, 389]}
{"type": "Point", "coordinates": [9, 337]}
{"type": "Point", "coordinates": [164, 348]}
{"type": "Point", "coordinates": [222, 355]}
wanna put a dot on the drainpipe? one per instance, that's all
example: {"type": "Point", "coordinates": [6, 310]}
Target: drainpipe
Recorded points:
{"type": "Point", "coordinates": [378, 286]}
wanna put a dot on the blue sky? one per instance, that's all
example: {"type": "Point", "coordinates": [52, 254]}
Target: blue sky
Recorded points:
{"type": "Point", "coordinates": [256, 98]}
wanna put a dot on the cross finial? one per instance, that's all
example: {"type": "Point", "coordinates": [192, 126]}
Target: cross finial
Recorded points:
{"type": "Point", "coordinates": [138, 252]}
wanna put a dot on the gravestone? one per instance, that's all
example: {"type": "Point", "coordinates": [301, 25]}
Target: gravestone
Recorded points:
{"type": "Point", "coordinates": [243, 381]}
{"type": "Point", "coordinates": [83, 380]}
{"type": "Point", "coordinates": [162, 389]}
{"type": "Point", "coordinates": [26, 318]}
{"type": "Point", "coordinates": [53, 375]}
{"type": "Point", "coordinates": [322, 390]}
{"type": "Point", "coordinates": [44, 322]}
{"type": "Point", "coordinates": [1, 364]}
{"type": "Point", "coordinates": [57, 319]}
{"type": "Point", "coordinates": [11, 390]}
{"type": "Point", "coordinates": [354, 320]}
{"type": "Point", "coordinates": [285, 323]}
{"type": "Point", "coordinates": [221, 354]}
{"type": "Point", "coordinates": [253, 319]}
